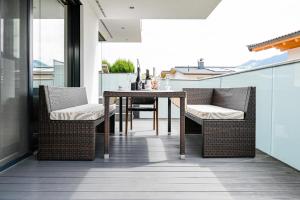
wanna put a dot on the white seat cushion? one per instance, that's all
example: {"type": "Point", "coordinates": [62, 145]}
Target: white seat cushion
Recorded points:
{"type": "Point", "coordinates": [214, 112]}
{"type": "Point", "coordinates": [83, 112]}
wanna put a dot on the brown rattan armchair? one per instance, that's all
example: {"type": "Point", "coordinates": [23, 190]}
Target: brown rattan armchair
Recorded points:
{"type": "Point", "coordinates": [224, 137]}
{"type": "Point", "coordinates": [67, 139]}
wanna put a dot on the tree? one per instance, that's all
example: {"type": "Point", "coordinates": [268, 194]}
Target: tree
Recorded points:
{"type": "Point", "coordinates": [122, 66]}
{"type": "Point", "coordinates": [105, 62]}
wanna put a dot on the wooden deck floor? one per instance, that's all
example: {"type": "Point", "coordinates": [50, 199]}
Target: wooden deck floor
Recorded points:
{"type": "Point", "coordinates": [143, 166]}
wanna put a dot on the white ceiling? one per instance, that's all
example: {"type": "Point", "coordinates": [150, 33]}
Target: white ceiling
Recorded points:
{"type": "Point", "coordinates": [121, 30]}
{"type": "Point", "coordinates": [117, 13]}
{"type": "Point", "coordinates": [158, 9]}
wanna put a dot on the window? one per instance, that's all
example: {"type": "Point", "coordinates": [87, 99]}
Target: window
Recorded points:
{"type": "Point", "coordinates": [48, 43]}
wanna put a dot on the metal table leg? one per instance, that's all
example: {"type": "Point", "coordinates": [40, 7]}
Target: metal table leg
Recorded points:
{"type": "Point", "coordinates": [120, 115]}
{"type": "Point", "coordinates": [156, 117]}
{"type": "Point", "coordinates": [182, 128]}
{"type": "Point", "coordinates": [169, 116]}
{"type": "Point", "coordinates": [106, 127]}
{"type": "Point", "coordinates": [126, 120]}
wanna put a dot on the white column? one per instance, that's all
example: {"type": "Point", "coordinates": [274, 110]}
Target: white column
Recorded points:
{"type": "Point", "coordinates": [90, 54]}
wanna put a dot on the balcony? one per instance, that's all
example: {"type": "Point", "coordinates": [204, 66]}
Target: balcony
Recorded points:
{"type": "Point", "coordinates": [142, 165]}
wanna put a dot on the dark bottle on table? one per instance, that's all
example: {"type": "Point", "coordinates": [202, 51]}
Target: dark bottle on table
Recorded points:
{"type": "Point", "coordinates": [147, 79]}
{"type": "Point", "coordinates": [138, 82]}
{"type": "Point", "coordinates": [147, 75]}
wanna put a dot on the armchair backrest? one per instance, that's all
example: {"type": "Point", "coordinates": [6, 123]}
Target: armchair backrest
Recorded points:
{"type": "Point", "coordinates": [233, 98]}
{"type": "Point", "coordinates": [141, 100]}
{"type": "Point", "coordinates": [199, 95]}
{"type": "Point", "coordinates": [57, 98]}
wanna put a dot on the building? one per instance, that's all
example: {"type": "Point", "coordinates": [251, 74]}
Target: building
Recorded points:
{"type": "Point", "coordinates": [201, 71]}
{"type": "Point", "coordinates": [44, 74]}
{"type": "Point", "coordinates": [289, 43]}
{"type": "Point", "coordinates": [59, 73]}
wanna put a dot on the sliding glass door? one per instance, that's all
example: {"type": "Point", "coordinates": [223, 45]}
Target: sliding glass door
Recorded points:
{"type": "Point", "coordinates": [13, 80]}
{"type": "Point", "coordinates": [35, 38]}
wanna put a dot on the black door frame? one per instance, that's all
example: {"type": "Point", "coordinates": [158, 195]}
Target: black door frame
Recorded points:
{"type": "Point", "coordinates": [30, 106]}
{"type": "Point", "coordinates": [73, 43]}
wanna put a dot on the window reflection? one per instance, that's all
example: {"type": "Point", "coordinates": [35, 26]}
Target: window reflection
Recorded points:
{"type": "Point", "coordinates": [13, 80]}
{"type": "Point", "coordinates": [48, 43]}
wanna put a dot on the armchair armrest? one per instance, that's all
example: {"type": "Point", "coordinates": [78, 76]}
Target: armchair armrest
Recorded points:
{"type": "Point", "coordinates": [198, 96]}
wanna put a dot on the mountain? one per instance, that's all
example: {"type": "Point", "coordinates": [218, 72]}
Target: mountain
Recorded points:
{"type": "Point", "coordinates": [258, 63]}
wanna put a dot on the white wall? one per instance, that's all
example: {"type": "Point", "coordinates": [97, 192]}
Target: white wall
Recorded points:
{"type": "Point", "coordinates": [294, 54]}
{"type": "Point", "coordinates": [90, 51]}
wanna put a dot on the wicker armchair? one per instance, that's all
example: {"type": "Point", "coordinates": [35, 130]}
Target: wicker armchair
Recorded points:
{"type": "Point", "coordinates": [224, 137]}
{"type": "Point", "coordinates": [66, 139]}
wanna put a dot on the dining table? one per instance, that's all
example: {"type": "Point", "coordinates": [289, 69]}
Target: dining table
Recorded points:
{"type": "Point", "coordinates": [169, 94]}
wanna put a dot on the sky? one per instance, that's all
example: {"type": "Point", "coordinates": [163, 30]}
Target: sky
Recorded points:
{"type": "Point", "coordinates": [221, 39]}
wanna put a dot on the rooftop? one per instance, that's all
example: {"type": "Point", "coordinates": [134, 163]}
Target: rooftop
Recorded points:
{"type": "Point", "coordinates": [207, 70]}
{"type": "Point", "coordinates": [285, 42]}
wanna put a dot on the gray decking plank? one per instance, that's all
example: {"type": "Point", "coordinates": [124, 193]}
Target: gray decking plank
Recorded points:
{"type": "Point", "coordinates": [28, 169]}
{"type": "Point", "coordinates": [146, 187]}
{"type": "Point", "coordinates": [171, 180]}
{"type": "Point", "coordinates": [150, 195]}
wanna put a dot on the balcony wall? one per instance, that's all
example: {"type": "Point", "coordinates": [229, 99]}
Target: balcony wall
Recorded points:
{"type": "Point", "coordinates": [278, 97]}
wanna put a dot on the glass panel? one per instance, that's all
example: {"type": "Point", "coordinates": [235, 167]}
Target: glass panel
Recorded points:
{"type": "Point", "coordinates": [262, 80]}
{"type": "Point", "coordinates": [48, 43]}
{"type": "Point", "coordinates": [13, 80]}
{"type": "Point", "coordinates": [286, 109]}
